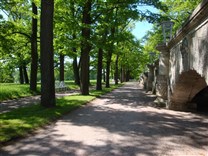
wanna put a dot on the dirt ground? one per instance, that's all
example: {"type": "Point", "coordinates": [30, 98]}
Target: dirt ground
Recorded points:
{"type": "Point", "coordinates": [121, 123]}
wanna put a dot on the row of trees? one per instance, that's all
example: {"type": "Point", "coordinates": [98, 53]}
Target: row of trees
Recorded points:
{"type": "Point", "coordinates": [94, 34]}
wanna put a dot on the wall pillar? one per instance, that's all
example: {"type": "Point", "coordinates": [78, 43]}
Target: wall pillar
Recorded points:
{"type": "Point", "coordinates": [163, 74]}
{"type": "Point", "coordinates": [156, 66]}
{"type": "Point", "coordinates": [150, 78]}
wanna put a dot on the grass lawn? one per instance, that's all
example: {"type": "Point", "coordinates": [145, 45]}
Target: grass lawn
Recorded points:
{"type": "Point", "coordinates": [22, 121]}
{"type": "Point", "coordinates": [12, 90]}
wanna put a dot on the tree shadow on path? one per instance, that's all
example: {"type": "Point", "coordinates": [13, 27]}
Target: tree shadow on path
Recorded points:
{"type": "Point", "coordinates": [119, 124]}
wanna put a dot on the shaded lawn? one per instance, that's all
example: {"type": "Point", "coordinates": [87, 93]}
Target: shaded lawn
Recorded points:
{"type": "Point", "coordinates": [22, 121]}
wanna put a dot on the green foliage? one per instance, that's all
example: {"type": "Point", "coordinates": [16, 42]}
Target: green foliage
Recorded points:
{"type": "Point", "coordinates": [178, 11]}
{"type": "Point", "coordinates": [6, 71]}
{"type": "Point", "coordinates": [152, 39]}
{"type": "Point", "coordinates": [67, 19]}
{"type": "Point", "coordinates": [131, 56]}
{"type": "Point", "coordinates": [16, 30]}
{"type": "Point", "coordinates": [14, 37]}
{"type": "Point", "coordinates": [22, 121]}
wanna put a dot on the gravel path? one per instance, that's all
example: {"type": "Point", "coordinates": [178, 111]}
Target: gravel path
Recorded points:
{"type": "Point", "coordinates": [121, 123]}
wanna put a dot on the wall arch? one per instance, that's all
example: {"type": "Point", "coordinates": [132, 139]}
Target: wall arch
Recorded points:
{"type": "Point", "coordinates": [201, 100]}
{"type": "Point", "coordinates": [185, 89]}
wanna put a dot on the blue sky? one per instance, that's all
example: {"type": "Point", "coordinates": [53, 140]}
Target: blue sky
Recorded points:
{"type": "Point", "coordinates": [141, 28]}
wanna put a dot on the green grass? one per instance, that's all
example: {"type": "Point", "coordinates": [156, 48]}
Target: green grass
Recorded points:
{"type": "Point", "coordinates": [22, 121]}
{"type": "Point", "coordinates": [71, 85]}
{"type": "Point", "coordinates": [12, 91]}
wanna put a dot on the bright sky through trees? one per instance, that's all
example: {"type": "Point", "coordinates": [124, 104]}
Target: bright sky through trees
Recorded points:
{"type": "Point", "coordinates": [142, 27]}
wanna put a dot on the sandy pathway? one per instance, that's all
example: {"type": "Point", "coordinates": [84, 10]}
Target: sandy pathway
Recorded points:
{"type": "Point", "coordinates": [121, 123]}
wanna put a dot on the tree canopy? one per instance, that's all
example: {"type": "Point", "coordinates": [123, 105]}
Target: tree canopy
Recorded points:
{"type": "Point", "coordinates": [95, 36]}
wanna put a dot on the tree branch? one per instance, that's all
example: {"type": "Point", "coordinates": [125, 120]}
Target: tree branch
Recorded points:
{"type": "Point", "coordinates": [22, 33]}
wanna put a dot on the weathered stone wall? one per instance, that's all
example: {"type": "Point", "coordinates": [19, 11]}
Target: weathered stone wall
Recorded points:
{"type": "Point", "coordinates": [191, 53]}
{"type": "Point", "coordinates": [199, 50]}
{"type": "Point", "coordinates": [188, 63]}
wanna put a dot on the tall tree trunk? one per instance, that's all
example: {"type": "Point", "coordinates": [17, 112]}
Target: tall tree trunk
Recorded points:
{"type": "Point", "coordinates": [34, 51]}
{"type": "Point", "coordinates": [99, 69]}
{"type": "Point", "coordinates": [47, 54]}
{"type": "Point", "coordinates": [127, 75]}
{"type": "Point", "coordinates": [104, 75]}
{"type": "Point", "coordinates": [85, 48]}
{"type": "Point", "coordinates": [123, 74]}
{"type": "Point", "coordinates": [107, 82]}
{"type": "Point", "coordinates": [75, 65]}
{"type": "Point", "coordinates": [76, 71]}
{"type": "Point", "coordinates": [61, 67]}
{"type": "Point", "coordinates": [116, 70]}
{"type": "Point", "coordinates": [25, 74]}
{"type": "Point", "coordinates": [108, 63]}
{"type": "Point", "coordinates": [21, 76]}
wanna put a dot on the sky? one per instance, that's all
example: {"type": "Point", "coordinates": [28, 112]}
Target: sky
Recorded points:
{"type": "Point", "coordinates": [141, 28]}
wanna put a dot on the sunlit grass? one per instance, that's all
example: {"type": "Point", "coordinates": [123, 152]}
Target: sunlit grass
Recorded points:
{"type": "Point", "coordinates": [22, 121]}
{"type": "Point", "coordinates": [71, 85]}
{"type": "Point", "coordinates": [12, 91]}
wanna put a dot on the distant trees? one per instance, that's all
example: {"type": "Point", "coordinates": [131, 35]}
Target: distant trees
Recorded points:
{"type": "Point", "coordinates": [15, 36]}
{"type": "Point", "coordinates": [95, 35]}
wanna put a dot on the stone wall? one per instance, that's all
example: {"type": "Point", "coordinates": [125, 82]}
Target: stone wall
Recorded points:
{"type": "Point", "coordinates": [191, 53]}
{"type": "Point", "coordinates": [188, 60]}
